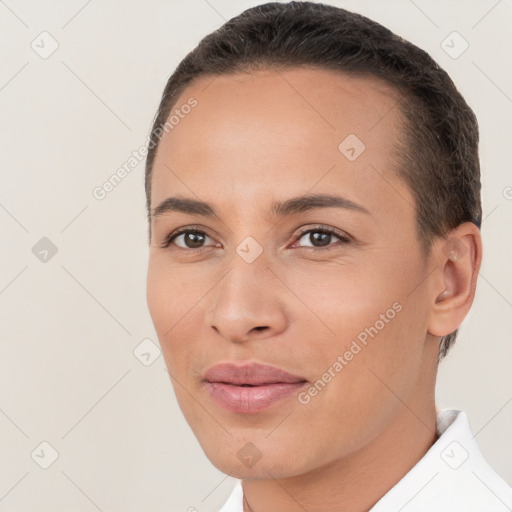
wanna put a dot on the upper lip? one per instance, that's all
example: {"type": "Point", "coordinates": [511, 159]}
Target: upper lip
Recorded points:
{"type": "Point", "coordinates": [254, 374]}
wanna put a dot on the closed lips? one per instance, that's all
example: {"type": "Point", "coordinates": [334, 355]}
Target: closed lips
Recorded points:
{"type": "Point", "coordinates": [252, 374]}
{"type": "Point", "coordinates": [250, 388]}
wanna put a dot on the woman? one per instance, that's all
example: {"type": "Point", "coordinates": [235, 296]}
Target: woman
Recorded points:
{"type": "Point", "coordinates": [313, 194]}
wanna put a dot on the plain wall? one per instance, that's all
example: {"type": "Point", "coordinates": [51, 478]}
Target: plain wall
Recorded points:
{"type": "Point", "coordinates": [69, 325]}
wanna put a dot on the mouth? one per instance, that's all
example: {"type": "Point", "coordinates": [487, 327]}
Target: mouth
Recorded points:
{"type": "Point", "coordinates": [250, 388]}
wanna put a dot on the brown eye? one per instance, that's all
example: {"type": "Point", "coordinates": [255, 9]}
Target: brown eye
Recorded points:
{"type": "Point", "coordinates": [187, 239]}
{"type": "Point", "coordinates": [321, 237]}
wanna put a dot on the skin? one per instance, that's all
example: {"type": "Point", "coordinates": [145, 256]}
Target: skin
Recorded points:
{"type": "Point", "coordinates": [270, 136]}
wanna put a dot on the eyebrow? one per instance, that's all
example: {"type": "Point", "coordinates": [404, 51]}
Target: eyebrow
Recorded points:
{"type": "Point", "coordinates": [291, 206]}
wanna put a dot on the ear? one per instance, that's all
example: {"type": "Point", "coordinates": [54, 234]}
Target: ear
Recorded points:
{"type": "Point", "coordinates": [458, 256]}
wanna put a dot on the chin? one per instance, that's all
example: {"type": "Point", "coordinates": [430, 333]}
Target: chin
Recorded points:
{"type": "Point", "coordinates": [258, 459]}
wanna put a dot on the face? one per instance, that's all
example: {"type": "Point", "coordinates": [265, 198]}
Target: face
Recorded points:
{"type": "Point", "coordinates": [325, 291]}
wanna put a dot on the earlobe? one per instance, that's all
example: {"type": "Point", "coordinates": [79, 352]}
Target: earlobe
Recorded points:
{"type": "Point", "coordinates": [459, 257]}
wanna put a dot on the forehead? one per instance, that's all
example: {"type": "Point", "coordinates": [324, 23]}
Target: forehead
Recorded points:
{"type": "Point", "coordinates": [272, 130]}
{"type": "Point", "coordinates": [292, 102]}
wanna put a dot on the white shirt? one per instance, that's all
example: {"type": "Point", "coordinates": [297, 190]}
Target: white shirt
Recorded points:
{"type": "Point", "coordinates": [452, 476]}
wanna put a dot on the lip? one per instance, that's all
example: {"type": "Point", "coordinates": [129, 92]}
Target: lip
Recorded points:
{"type": "Point", "coordinates": [250, 388]}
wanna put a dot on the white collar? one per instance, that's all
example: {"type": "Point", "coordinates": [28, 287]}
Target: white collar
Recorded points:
{"type": "Point", "coordinates": [452, 476]}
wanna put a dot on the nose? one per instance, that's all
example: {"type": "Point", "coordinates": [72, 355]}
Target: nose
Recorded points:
{"type": "Point", "coordinates": [247, 303]}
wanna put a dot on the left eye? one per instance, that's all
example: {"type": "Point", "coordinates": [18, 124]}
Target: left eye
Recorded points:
{"type": "Point", "coordinates": [320, 238]}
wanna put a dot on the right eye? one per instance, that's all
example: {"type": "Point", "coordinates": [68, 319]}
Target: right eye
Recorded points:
{"type": "Point", "coordinates": [188, 239]}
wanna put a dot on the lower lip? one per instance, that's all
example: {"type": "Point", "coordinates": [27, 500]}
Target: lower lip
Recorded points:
{"type": "Point", "coordinates": [252, 399]}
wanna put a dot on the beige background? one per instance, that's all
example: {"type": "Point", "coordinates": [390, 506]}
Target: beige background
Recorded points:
{"type": "Point", "coordinates": [69, 326]}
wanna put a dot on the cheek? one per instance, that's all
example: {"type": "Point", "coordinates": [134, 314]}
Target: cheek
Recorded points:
{"type": "Point", "coordinates": [344, 300]}
{"type": "Point", "coordinates": [176, 298]}
{"type": "Point", "coordinates": [170, 293]}
{"type": "Point", "coordinates": [169, 300]}
{"type": "Point", "coordinates": [158, 298]}
{"type": "Point", "coordinates": [368, 321]}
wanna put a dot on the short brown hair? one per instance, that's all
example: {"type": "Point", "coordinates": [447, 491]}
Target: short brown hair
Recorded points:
{"type": "Point", "coordinates": [439, 157]}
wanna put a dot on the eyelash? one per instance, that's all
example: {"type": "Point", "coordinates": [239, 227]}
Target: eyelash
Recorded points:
{"type": "Point", "coordinates": [343, 238]}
